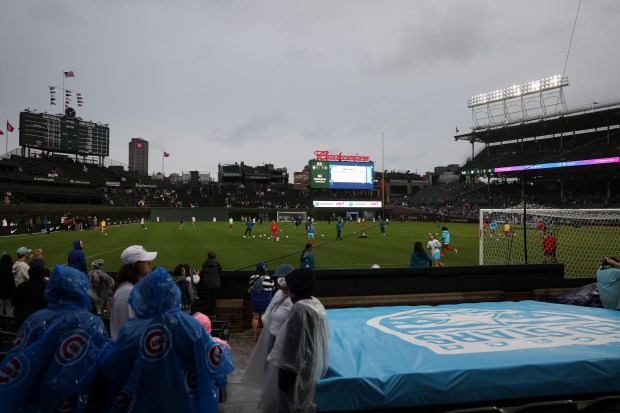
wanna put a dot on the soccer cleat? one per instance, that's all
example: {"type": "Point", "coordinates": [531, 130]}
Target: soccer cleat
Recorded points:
{"type": "Point", "coordinates": [456, 251]}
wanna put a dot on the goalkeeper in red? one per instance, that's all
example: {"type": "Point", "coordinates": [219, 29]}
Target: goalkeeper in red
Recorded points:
{"type": "Point", "coordinates": [445, 242]}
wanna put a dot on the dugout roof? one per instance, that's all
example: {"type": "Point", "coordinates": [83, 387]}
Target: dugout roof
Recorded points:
{"type": "Point", "coordinates": [592, 117]}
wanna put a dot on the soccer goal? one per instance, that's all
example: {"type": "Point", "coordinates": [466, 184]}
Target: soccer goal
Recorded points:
{"type": "Point", "coordinates": [288, 216]}
{"type": "Point", "coordinates": [578, 238]}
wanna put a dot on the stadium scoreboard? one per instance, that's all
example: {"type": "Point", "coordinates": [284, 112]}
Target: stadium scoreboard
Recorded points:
{"type": "Point", "coordinates": [63, 133]}
{"type": "Point", "coordinates": [341, 175]}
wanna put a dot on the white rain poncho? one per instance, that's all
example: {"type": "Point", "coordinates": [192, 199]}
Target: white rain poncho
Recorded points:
{"type": "Point", "coordinates": [302, 347]}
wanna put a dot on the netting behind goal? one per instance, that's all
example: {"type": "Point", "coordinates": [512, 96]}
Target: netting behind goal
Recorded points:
{"type": "Point", "coordinates": [283, 216]}
{"type": "Point", "coordinates": [579, 238]}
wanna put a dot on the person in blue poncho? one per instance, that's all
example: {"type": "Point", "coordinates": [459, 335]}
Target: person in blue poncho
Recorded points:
{"type": "Point", "coordinates": [76, 258]}
{"type": "Point", "coordinates": [52, 363]}
{"type": "Point", "coordinates": [163, 359]}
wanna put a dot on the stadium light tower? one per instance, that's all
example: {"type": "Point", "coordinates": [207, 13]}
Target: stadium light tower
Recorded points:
{"type": "Point", "coordinates": [544, 97]}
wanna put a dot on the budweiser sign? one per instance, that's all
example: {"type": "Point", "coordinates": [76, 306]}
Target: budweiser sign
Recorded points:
{"type": "Point", "coordinates": [326, 156]}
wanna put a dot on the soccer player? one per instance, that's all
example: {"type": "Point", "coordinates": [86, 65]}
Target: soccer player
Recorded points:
{"type": "Point", "coordinates": [230, 223]}
{"type": "Point", "coordinates": [339, 224]}
{"type": "Point", "coordinates": [507, 230]}
{"type": "Point", "coordinates": [193, 221]}
{"type": "Point", "coordinates": [142, 223]}
{"type": "Point", "coordinates": [550, 247]}
{"type": "Point", "coordinates": [492, 228]}
{"type": "Point", "coordinates": [445, 242]}
{"type": "Point", "coordinates": [434, 245]}
{"type": "Point", "coordinates": [382, 226]}
{"type": "Point", "coordinates": [103, 227]}
{"type": "Point", "coordinates": [180, 223]}
{"type": "Point", "coordinates": [541, 227]}
{"type": "Point", "coordinates": [274, 231]}
{"type": "Point", "coordinates": [249, 225]}
{"type": "Point", "coordinates": [311, 239]}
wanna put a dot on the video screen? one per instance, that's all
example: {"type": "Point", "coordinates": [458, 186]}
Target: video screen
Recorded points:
{"type": "Point", "coordinates": [341, 175]}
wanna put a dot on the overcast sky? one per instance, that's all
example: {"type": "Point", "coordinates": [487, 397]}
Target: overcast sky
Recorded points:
{"type": "Point", "coordinates": [272, 81]}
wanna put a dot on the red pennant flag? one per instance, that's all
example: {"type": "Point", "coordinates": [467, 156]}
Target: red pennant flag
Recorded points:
{"type": "Point", "coordinates": [9, 127]}
{"type": "Point", "coordinates": [166, 154]}
{"type": "Point", "coordinates": [69, 74]}
{"type": "Point", "coordinates": [1, 133]}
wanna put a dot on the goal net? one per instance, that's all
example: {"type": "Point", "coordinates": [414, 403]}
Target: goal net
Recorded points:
{"type": "Point", "coordinates": [578, 238]}
{"type": "Point", "coordinates": [289, 216]}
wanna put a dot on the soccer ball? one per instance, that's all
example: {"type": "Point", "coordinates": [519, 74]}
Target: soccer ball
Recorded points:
{"type": "Point", "coordinates": [277, 238]}
{"type": "Point", "coordinates": [287, 236]}
{"type": "Point", "coordinates": [322, 235]}
{"type": "Point", "coordinates": [253, 236]}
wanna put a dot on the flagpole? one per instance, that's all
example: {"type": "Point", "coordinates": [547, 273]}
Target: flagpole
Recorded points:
{"type": "Point", "coordinates": [162, 165]}
{"type": "Point", "coordinates": [6, 142]}
{"type": "Point", "coordinates": [64, 94]}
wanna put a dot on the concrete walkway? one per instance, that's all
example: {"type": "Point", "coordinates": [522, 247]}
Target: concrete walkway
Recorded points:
{"type": "Point", "coordinates": [239, 397]}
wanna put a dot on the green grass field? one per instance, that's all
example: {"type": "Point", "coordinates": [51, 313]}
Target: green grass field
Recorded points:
{"type": "Point", "coordinates": [191, 244]}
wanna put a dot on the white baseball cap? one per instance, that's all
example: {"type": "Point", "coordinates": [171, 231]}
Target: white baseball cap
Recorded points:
{"type": "Point", "coordinates": [136, 253]}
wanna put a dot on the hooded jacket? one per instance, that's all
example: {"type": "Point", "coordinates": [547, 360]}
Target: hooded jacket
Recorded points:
{"type": "Point", "coordinates": [52, 362]}
{"type": "Point", "coordinates": [163, 359]}
{"type": "Point", "coordinates": [76, 258]}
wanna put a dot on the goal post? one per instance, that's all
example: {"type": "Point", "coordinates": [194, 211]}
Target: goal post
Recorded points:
{"type": "Point", "coordinates": [291, 216]}
{"type": "Point", "coordinates": [578, 238]}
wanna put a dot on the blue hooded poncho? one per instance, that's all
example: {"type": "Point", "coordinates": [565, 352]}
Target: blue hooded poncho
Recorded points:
{"type": "Point", "coordinates": [52, 362]}
{"type": "Point", "coordinates": [163, 359]}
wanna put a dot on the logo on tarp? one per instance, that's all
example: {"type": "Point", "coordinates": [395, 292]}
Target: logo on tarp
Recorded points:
{"type": "Point", "coordinates": [482, 330]}
{"type": "Point", "coordinates": [72, 348]}
{"type": "Point", "coordinates": [22, 338]}
{"type": "Point", "coordinates": [124, 401]}
{"type": "Point", "coordinates": [214, 355]}
{"type": "Point", "coordinates": [191, 382]}
{"type": "Point", "coordinates": [156, 342]}
{"type": "Point", "coordinates": [14, 371]}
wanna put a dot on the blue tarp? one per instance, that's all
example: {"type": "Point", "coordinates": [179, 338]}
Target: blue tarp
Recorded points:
{"type": "Point", "coordinates": [418, 356]}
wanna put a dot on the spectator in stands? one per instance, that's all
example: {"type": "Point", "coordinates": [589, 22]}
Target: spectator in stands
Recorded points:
{"type": "Point", "coordinates": [182, 280]}
{"type": "Point", "coordinates": [419, 257]}
{"type": "Point", "coordinates": [300, 353]}
{"type": "Point", "coordinates": [59, 347]}
{"type": "Point", "coordinates": [76, 258]}
{"type": "Point", "coordinates": [7, 284]}
{"type": "Point", "coordinates": [136, 265]}
{"type": "Point", "coordinates": [307, 257]}
{"type": "Point", "coordinates": [261, 293]}
{"type": "Point", "coordinates": [29, 296]}
{"type": "Point", "coordinates": [20, 268]}
{"type": "Point", "coordinates": [210, 281]}
{"type": "Point", "coordinates": [608, 278]}
{"type": "Point", "coordinates": [275, 315]}
{"type": "Point", "coordinates": [179, 348]}
{"type": "Point", "coordinates": [37, 258]}
{"type": "Point", "coordinates": [101, 284]}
